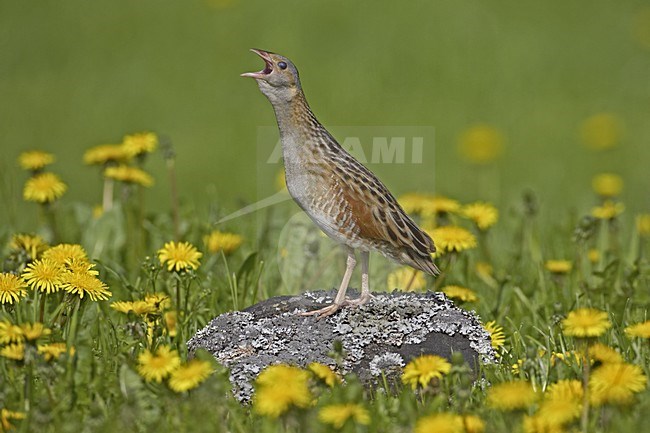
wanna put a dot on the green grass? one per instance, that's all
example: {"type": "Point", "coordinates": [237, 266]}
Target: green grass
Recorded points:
{"type": "Point", "coordinates": [75, 74]}
{"type": "Point", "coordinates": [99, 388]}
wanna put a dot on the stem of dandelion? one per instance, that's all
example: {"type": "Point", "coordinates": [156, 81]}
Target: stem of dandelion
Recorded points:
{"type": "Point", "coordinates": [187, 295]}
{"type": "Point", "coordinates": [41, 313]}
{"type": "Point", "coordinates": [71, 336]}
{"type": "Point", "coordinates": [483, 244]}
{"type": "Point", "coordinates": [140, 232]}
{"type": "Point", "coordinates": [612, 232]}
{"type": "Point", "coordinates": [29, 387]}
{"type": "Point", "coordinates": [497, 307]}
{"type": "Point", "coordinates": [107, 195]}
{"type": "Point", "coordinates": [33, 316]}
{"type": "Point", "coordinates": [410, 283]}
{"type": "Point", "coordinates": [50, 221]}
{"type": "Point", "coordinates": [131, 234]}
{"type": "Point", "coordinates": [180, 313]}
{"type": "Point", "coordinates": [450, 259]}
{"type": "Point", "coordinates": [586, 367]}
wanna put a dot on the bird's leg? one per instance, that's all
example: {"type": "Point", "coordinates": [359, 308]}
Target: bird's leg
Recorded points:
{"type": "Point", "coordinates": [365, 287]}
{"type": "Point", "coordinates": [339, 301]}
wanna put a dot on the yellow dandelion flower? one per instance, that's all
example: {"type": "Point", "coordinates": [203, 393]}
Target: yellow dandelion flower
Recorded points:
{"type": "Point", "coordinates": [643, 224]}
{"type": "Point", "coordinates": [156, 366]}
{"type": "Point", "coordinates": [12, 288]}
{"type": "Point", "coordinates": [279, 387]}
{"type": "Point", "coordinates": [44, 188]}
{"type": "Point", "coordinates": [607, 184]}
{"type": "Point", "coordinates": [516, 367]}
{"type": "Point", "coordinates": [324, 373]}
{"type": "Point", "coordinates": [609, 210]}
{"type": "Point", "coordinates": [129, 174]}
{"type": "Point", "coordinates": [558, 411]}
{"type": "Point", "coordinates": [14, 351]}
{"type": "Point", "coordinates": [143, 308]}
{"type": "Point", "coordinates": [33, 245]}
{"type": "Point", "coordinates": [63, 253]}
{"type": "Point", "coordinates": [412, 203]}
{"type": "Point", "coordinates": [586, 322]}
{"type": "Point", "coordinates": [484, 269]}
{"type": "Point", "coordinates": [641, 330]}
{"type": "Point", "coordinates": [568, 358]}
{"type": "Point", "coordinates": [438, 205]}
{"type": "Point", "coordinates": [122, 306]}
{"type": "Point", "coordinates": [616, 383]}
{"type": "Point", "coordinates": [139, 308]}
{"type": "Point", "coordinates": [34, 331]}
{"type": "Point", "coordinates": [558, 267]}
{"type": "Point", "coordinates": [45, 275]}
{"type": "Point", "coordinates": [179, 256]}
{"type": "Point", "coordinates": [428, 205]}
{"type": "Point", "coordinates": [538, 424]}
{"type": "Point", "coordinates": [281, 181]}
{"type": "Point", "coordinates": [461, 293]}
{"type": "Point", "coordinates": [481, 143]}
{"type": "Point", "coordinates": [424, 369]}
{"type": "Point", "coordinates": [565, 389]}
{"type": "Point", "coordinates": [497, 335]}
{"type": "Point", "coordinates": [593, 255]}
{"type": "Point", "coordinates": [440, 423]}
{"type": "Point", "coordinates": [98, 211]}
{"type": "Point", "coordinates": [157, 301]}
{"type": "Point", "coordinates": [80, 267]}
{"type": "Point", "coordinates": [601, 131]}
{"type": "Point", "coordinates": [54, 351]}
{"type": "Point", "coordinates": [190, 375]}
{"type": "Point", "coordinates": [140, 143]}
{"type": "Point", "coordinates": [105, 153]}
{"type": "Point", "coordinates": [473, 424]}
{"type": "Point", "coordinates": [34, 160]}
{"type": "Point", "coordinates": [82, 283]}
{"type": "Point", "coordinates": [484, 215]}
{"type": "Point", "coordinates": [512, 395]}
{"type": "Point", "coordinates": [10, 333]}
{"type": "Point", "coordinates": [337, 415]}
{"type": "Point", "coordinates": [6, 416]}
{"type": "Point", "coordinates": [171, 319]}
{"type": "Point", "coordinates": [407, 279]}
{"type": "Point", "coordinates": [602, 353]}
{"type": "Point", "coordinates": [217, 241]}
{"type": "Point", "coordinates": [453, 238]}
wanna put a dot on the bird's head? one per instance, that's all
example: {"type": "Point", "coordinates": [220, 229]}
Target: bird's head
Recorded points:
{"type": "Point", "coordinates": [279, 79]}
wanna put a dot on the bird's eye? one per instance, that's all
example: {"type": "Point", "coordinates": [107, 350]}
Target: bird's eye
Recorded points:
{"type": "Point", "coordinates": [282, 65]}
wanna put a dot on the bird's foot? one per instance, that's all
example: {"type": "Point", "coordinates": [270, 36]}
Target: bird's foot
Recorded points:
{"type": "Point", "coordinates": [323, 312]}
{"type": "Point", "coordinates": [361, 300]}
{"type": "Point", "coordinates": [333, 308]}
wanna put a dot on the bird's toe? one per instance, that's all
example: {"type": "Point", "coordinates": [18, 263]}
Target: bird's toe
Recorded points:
{"type": "Point", "coordinates": [323, 312]}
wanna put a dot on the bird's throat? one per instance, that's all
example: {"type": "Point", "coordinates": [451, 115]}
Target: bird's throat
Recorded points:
{"type": "Point", "coordinates": [295, 119]}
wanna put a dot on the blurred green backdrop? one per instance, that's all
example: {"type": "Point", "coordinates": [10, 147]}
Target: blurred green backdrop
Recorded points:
{"type": "Point", "coordinates": [75, 73]}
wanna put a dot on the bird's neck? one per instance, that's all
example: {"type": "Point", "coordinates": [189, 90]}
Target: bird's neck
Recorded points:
{"type": "Point", "coordinates": [295, 118]}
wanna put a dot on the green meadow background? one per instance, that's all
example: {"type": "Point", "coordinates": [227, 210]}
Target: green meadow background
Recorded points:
{"type": "Point", "coordinates": [74, 74]}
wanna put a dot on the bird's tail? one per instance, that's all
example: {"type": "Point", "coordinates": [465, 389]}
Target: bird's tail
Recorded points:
{"type": "Point", "coordinates": [422, 262]}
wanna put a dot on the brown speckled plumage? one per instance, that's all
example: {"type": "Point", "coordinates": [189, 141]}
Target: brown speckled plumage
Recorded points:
{"type": "Point", "coordinates": [344, 198]}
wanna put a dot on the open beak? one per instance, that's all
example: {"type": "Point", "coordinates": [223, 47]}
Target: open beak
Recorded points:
{"type": "Point", "coordinates": [268, 67]}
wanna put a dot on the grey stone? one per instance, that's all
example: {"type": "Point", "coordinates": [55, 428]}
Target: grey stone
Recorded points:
{"type": "Point", "coordinates": [379, 337]}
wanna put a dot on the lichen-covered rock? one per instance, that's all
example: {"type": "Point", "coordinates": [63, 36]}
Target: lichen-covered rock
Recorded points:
{"type": "Point", "coordinates": [381, 336]}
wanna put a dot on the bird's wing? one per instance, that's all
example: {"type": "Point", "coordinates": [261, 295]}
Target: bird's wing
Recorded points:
{"type": "Point", "coordinates": [379, 216]}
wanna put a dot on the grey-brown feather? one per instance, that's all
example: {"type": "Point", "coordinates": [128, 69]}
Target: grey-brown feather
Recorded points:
{"type": "Point", "coordinates": [402, 239]}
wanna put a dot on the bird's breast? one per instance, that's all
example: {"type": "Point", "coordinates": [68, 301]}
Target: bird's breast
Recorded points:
{"type": "Point", "coordinates": [316, 189]}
